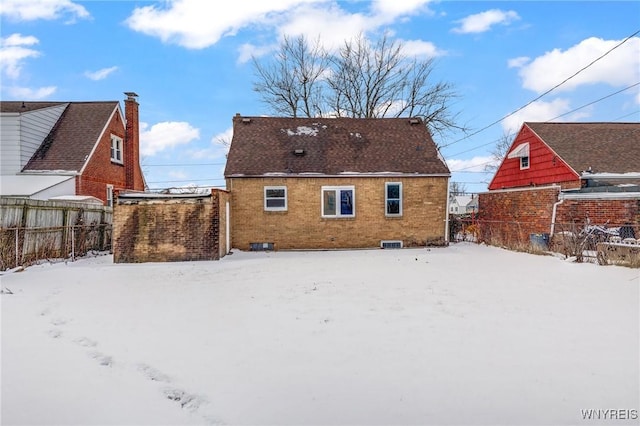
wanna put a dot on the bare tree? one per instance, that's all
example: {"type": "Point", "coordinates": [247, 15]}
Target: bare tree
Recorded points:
{"type": "Point", "coordinates": [457, 188]}
{"type": "Point", "coordinates": [362, 79]}
{"type": "Point", "coordinates": [291, 85]}
{"type": "Point", "coordinates": [498, 152]}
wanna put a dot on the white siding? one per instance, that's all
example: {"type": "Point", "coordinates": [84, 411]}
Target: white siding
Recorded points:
{"type": "Point", "coordinates": [10, 144]}
{"type": "Point", "coordinates": [34, 127]}
{"type": "Point", "coordinates": [22, 134]}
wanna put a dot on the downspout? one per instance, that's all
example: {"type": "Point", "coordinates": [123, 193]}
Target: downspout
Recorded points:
{"type": "Point", "coordinates": [446, 212]}
{"type": "Point", "coordinates": [553, 214]}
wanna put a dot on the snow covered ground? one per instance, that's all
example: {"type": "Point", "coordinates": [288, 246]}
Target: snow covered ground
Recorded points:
{"type": "Point", "coordinates": [462, 335]}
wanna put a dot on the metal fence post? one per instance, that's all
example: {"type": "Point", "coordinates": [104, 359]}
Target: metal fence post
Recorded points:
{"type": "Point", "coordinates": [73, 243]}
{"type": "Point", "coordinates": [17, 231]}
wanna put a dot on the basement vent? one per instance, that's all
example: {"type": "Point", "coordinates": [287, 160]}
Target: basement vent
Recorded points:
{"type": "Point", "coordinates": [261, 246]}
{"type": "Point", "coordinates": [391, 244]}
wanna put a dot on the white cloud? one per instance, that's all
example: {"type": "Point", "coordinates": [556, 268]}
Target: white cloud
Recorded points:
{"type": "Point", "coordinates": [13, 53]}
{"type": "Point", "coordinates": [196, 24]}
{"type": "Point", "coordinates": [518, 62]}
{"type": "Point", "coordinates": [219, 147]}
{"type": "Point", "coordinates": [32, 94]}
{"type": "Point", "coordinates": [394, 8]}
{"type": "Point", "coordinates": [30, 10]}
{"type": "Point", "coordinates": [165, 135]}
{"type": "Point", "coordinates": [619, 68]}
{"type": "Point", "coordinates": [542, 111]}
{"type": "Point", "coordinates": [100, 74]}
{"type": "Point", "coordinates": [483, 21]}
{"type": "Point", "coordinates": [475, 164]}
{"type": "Point", "coordinates": [248, 50]}
{"type": "Point", "coordinates": [421, 48]}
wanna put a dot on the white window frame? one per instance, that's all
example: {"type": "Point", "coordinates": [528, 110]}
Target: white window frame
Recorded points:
{"type": "Point", "coordinates": [275, 209]}
{"type": "Point", "coordinates": [522, 161]}
{"type": "Point", "coordinates": [117, 150]}
{"type": "Point", "coordinates": [386, 199]}
{"type": "Point", "coordinates": [337, 190]}
{"type": "Point", "coordinates": [110, 195]}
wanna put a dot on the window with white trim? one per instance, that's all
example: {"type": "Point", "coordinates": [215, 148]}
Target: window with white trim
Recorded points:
{"type": "Point", "coordinates": [524, 162]}
{"type": "Point", "coordinates": [275, 198]}
{"type": "Point", "coordinates": [110, 195]}
{"type": "Point", "coordinates": [393, 198]}
{"type": "Point", "coordinates": [116, 149]}
{"type": "Point", "coordinates": [338, 201]}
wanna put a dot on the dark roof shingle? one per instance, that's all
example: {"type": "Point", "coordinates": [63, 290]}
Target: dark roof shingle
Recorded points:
{"type": "Point", "coordinates": [72, 139]}
{"type": "Point", "coordinates": [599, 147]}
{"type": "Point", "coordinates": [331, 146]}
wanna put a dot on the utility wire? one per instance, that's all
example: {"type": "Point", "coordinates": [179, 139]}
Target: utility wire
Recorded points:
{"type": "Point", "coordinates": [545, 93]}
{"type": "Point", "coordinates": [546, 121]}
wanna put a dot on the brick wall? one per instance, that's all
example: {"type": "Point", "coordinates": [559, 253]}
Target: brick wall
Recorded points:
{"type": "Point", "coordinates": [600, 211]}
{"type": "Point", "coordinates": [100, 171]}
{"type": "Point", "coordinates": [172, 229]}
{"type": "Point", "coordinates": [509, 217]}
{"type": "Point", "coordinates": [302, 227]}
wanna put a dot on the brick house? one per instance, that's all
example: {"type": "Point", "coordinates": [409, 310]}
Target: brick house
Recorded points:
{"type": "Point", "coordinates": [57, 149]}
{"type": "Point", "coordinates": [321, 183]}
{"type": "Point", "coordinates": [562, 174]}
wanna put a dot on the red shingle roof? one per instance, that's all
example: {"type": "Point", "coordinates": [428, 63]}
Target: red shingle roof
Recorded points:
{"type": "Point", "coordinates": [331, 146]}
{"type": "Point", "coordinates": [601, 147]}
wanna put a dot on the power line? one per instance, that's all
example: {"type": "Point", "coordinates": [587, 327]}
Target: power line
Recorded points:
{"type": "Point", "coordinates": [550, 119]}
{"type": "Point", "coordinates": [545, 93]}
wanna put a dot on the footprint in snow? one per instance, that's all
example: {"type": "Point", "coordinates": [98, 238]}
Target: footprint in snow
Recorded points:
{"type": "Point", "coordinates": [54, 333]}
{"type": "Point", "coordinates": [186, 400]}
{"type": "Point", "coordinates": [86, 342]}
{"type": "Point", "coordinates": [102, 359]}
{"type": "Point", "coordinates": [153, 374]}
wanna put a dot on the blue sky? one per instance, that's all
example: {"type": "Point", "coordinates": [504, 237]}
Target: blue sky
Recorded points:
{"type": "Point", "coordinates": [189, 62]}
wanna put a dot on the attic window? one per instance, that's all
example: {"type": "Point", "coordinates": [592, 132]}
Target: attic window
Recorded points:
{"type": "Point", "coordinates": [522, 152]}
{"type": "Point", "coordinates": [116, 149]}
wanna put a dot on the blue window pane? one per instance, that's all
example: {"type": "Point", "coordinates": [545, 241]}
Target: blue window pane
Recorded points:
{"type": "Point", "coordinates": [393, 207]}
{"type": "Point", "coordinates": [346, 202]}
{"type": "Point", "coordinates": [393, 191]}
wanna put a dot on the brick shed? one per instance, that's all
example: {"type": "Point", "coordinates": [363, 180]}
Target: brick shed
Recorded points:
{"type": "Point", "coordinates": [151, 227]}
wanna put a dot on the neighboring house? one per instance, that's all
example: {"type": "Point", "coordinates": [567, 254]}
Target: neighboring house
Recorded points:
{"type": "Point", "coordinates": [318, 183]}
{"type": "Point", "coordinates": [458, 204]}
{"type": "Point", "coordinates": [63, 149]}
{"type": "Point", "coordinates": [567, 173]}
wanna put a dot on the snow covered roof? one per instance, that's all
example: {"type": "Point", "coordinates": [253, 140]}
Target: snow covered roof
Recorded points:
{"type": "Point", "coordinates": [283, 146]}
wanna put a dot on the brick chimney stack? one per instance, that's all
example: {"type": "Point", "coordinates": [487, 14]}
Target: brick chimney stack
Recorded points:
{"type": "Point", "coordinates": [133, 172]}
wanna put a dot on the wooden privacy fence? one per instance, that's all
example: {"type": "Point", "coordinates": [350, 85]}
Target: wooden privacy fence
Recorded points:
{"type": "Point", "coordinates": [32, 230]}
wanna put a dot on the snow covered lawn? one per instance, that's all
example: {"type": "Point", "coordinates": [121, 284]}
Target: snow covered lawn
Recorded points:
{"type": "Point", "coordinates": [461, 335]}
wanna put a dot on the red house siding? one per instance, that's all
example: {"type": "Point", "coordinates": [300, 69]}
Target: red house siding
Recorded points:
{"type": "Point", "coordinates": [545, 167]}
{"type": "Point", "coordinates": [99, 170]}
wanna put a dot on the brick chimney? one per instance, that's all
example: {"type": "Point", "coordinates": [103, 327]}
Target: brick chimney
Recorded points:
{"type": "Point", "coordinates": [133, 172]}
